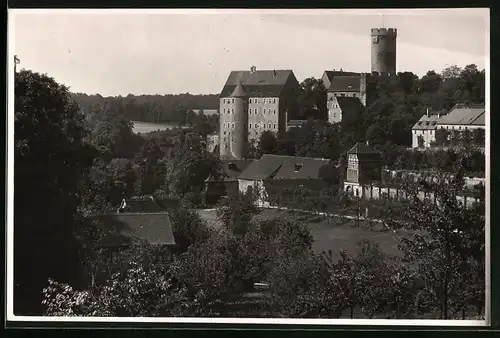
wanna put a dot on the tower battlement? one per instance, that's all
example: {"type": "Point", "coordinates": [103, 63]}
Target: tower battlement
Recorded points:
{"type": "Point", "coordinates": [384, 31]}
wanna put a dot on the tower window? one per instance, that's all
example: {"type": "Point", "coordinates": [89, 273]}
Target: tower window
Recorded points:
{"type": "Point", "coordinates": [274, 111]}
{"type": "Point", "coordinates": [223, 100]}
{"type": "Point", "coordinates": [264, 110]}
{"type": "Point", "coordinates": [232, 111]}
{"type": "Point", "coordinates": [250, 126]}
{"type": "Point", "coordinates": [269, 125]}
{"type": "Point", "coordinates": [274, 126]}
{"type": "Point", "coordinates": [233, 125]}
{"type": "Point", "coordinates": [274, 100]}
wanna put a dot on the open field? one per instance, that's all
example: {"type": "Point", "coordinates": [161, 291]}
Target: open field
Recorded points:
{"type": "Point", "coordinates": [335, 234]}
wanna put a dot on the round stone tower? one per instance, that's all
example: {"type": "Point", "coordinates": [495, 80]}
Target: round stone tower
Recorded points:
{"type": "Point", "coordinates": [384, 50]}
{"type": "Point", "coordinates": [239, 120]}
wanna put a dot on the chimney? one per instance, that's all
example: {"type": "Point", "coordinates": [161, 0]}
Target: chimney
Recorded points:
{"type": "Point", "coordinates": [274, 72]}
{"type": "Point", "coordinates": [427, 112]}
{"type": "Point", "coordinates": [341, 71]}
{"type": "Point", "coordinates": [252, 69]}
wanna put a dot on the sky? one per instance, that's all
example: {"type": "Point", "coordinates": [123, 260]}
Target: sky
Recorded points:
{"type": "Point", "coordinates": [113, 52]}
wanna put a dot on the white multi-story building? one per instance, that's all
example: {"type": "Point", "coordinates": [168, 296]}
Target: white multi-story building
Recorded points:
{"type": "Point", "coordinates": [460, 118]}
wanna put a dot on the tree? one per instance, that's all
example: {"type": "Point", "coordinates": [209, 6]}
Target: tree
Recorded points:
{"type": "Point", "coordinates": [237, 212]}
{"type": "Point", "coordinates": [420, 141]}
{"type": "Point", "coordinates": [50, 158]}
{"type": "Point", "coordinates": [189, 228]}
{"type": "Point", "coordinates": [267, 142]}
{"type": "Point", "coordinates": [446, 236]}
{"type": "Point", "coordinates": [312, 100]}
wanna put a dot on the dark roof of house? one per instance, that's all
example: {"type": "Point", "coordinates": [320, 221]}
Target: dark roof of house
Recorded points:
{"type": "Point", "coordinates": [351, 83]}
{"type": "Point", "coordinates": [265, 83]}
{"type": "Point", "coordinates": [330, 74]}
{"type": "Point", "coordinates": [350, 105]}
{"type": "Point", "coordinates": [426, 122]}
{"type": "Point", "coordinates": [464, 115]}
{"type": "Point", "coordinates": [125, 228]}
{"type": "Point", "coordinates": [283, 167]}
{"type": "Point", "coordinates": [363, 148]}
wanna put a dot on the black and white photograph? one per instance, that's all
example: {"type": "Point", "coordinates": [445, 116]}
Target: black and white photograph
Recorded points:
{"type": "Point", "coordinates": [283, 166]}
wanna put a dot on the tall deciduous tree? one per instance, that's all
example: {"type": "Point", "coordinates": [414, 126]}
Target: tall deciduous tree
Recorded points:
{"type": "Point", "coordinates": [50, 158]}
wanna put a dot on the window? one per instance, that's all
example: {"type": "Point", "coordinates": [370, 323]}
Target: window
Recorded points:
{"type": "Point", "coordinates": [224, 133]}
{"type": "Point", "coordinates": [274, 126]}
{"type": "Point", "coordinates": [269, 126]}
{"type": "Point", "coordinates": [224, 124]}
{"type": "Point", "coordinates": [274, 100]}
{"type": "Point", "coordinates": [353, 94]}
{"type": "Point", "coordinates": [264, 110]}
{"type": "Point", "coordinates": [232, 100]}
{"type": "Point", "coordinates": [249, 100]}
{"type": "Point", "coordinates": [233, 125]}
{"type": "Point", "coordinates": [232, 111]}
{"type": "Point", "coordinates": [343, 95]}
{"type": "Point", "coordinates": [250, 126]}
{"type": "Point", "coordinates": [250, 110]}
{"type": "Point", "coordinates": [274, 111]}
{"type": "Point", "coordinates": [223, 100]}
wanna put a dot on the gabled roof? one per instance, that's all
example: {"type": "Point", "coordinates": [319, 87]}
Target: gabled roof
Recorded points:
{"type": "Point", "coordinates": [464, 115]}
{"type": "Point", "coordinates": [126, 228]}
{"type": "Point", "coordinates": [426, 123]}
{"type": "Point", "coordinates": [265, 83]}
{"type": "Point", "coordinates": [351, 83]}
{"type": "Point", "coordinates": [330, 74]}
{"type": "Point", "coordinates": [283, 167]}
{"type": "Point", "coordinates": [350, 105]}
{"type": "Point", "coordinates": [363, 148]}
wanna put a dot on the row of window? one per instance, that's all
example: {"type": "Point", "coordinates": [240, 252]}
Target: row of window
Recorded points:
{"type": "Point", "coordinates": [255, 111]}
{"type": "Point", "coordinates": [256, 125]}
{"type": "Point", "coordinates": [254, 100]}
{"type": "Point", "coordinates": [341, 95]}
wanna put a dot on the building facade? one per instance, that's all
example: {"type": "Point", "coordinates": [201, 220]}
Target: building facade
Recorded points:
{"type": "Point", "coordinates": [383, 51]}
{"type": "Point", "coordinates": [252, 102]}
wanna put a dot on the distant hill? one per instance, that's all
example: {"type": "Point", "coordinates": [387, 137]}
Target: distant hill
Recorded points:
{"type": "Point", "coordinates": [150, 108]}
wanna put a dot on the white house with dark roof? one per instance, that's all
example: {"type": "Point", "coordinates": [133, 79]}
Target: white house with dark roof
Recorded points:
{"type": "Point", "coordinates": [461, 117]}
{"type": "Point", "coordinates": [425, 129]}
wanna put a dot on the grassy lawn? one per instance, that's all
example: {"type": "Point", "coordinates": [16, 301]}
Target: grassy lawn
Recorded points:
{"type": "Point", "coordinates": [335, 234]}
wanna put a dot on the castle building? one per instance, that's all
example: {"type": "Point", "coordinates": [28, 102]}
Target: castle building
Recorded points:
{"type": "Point", "coordinates": [252, 102]}
{"type": "Point", "coordinates": [383, 54]}
{"type": "Point", "coordinates": [345, 93]}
